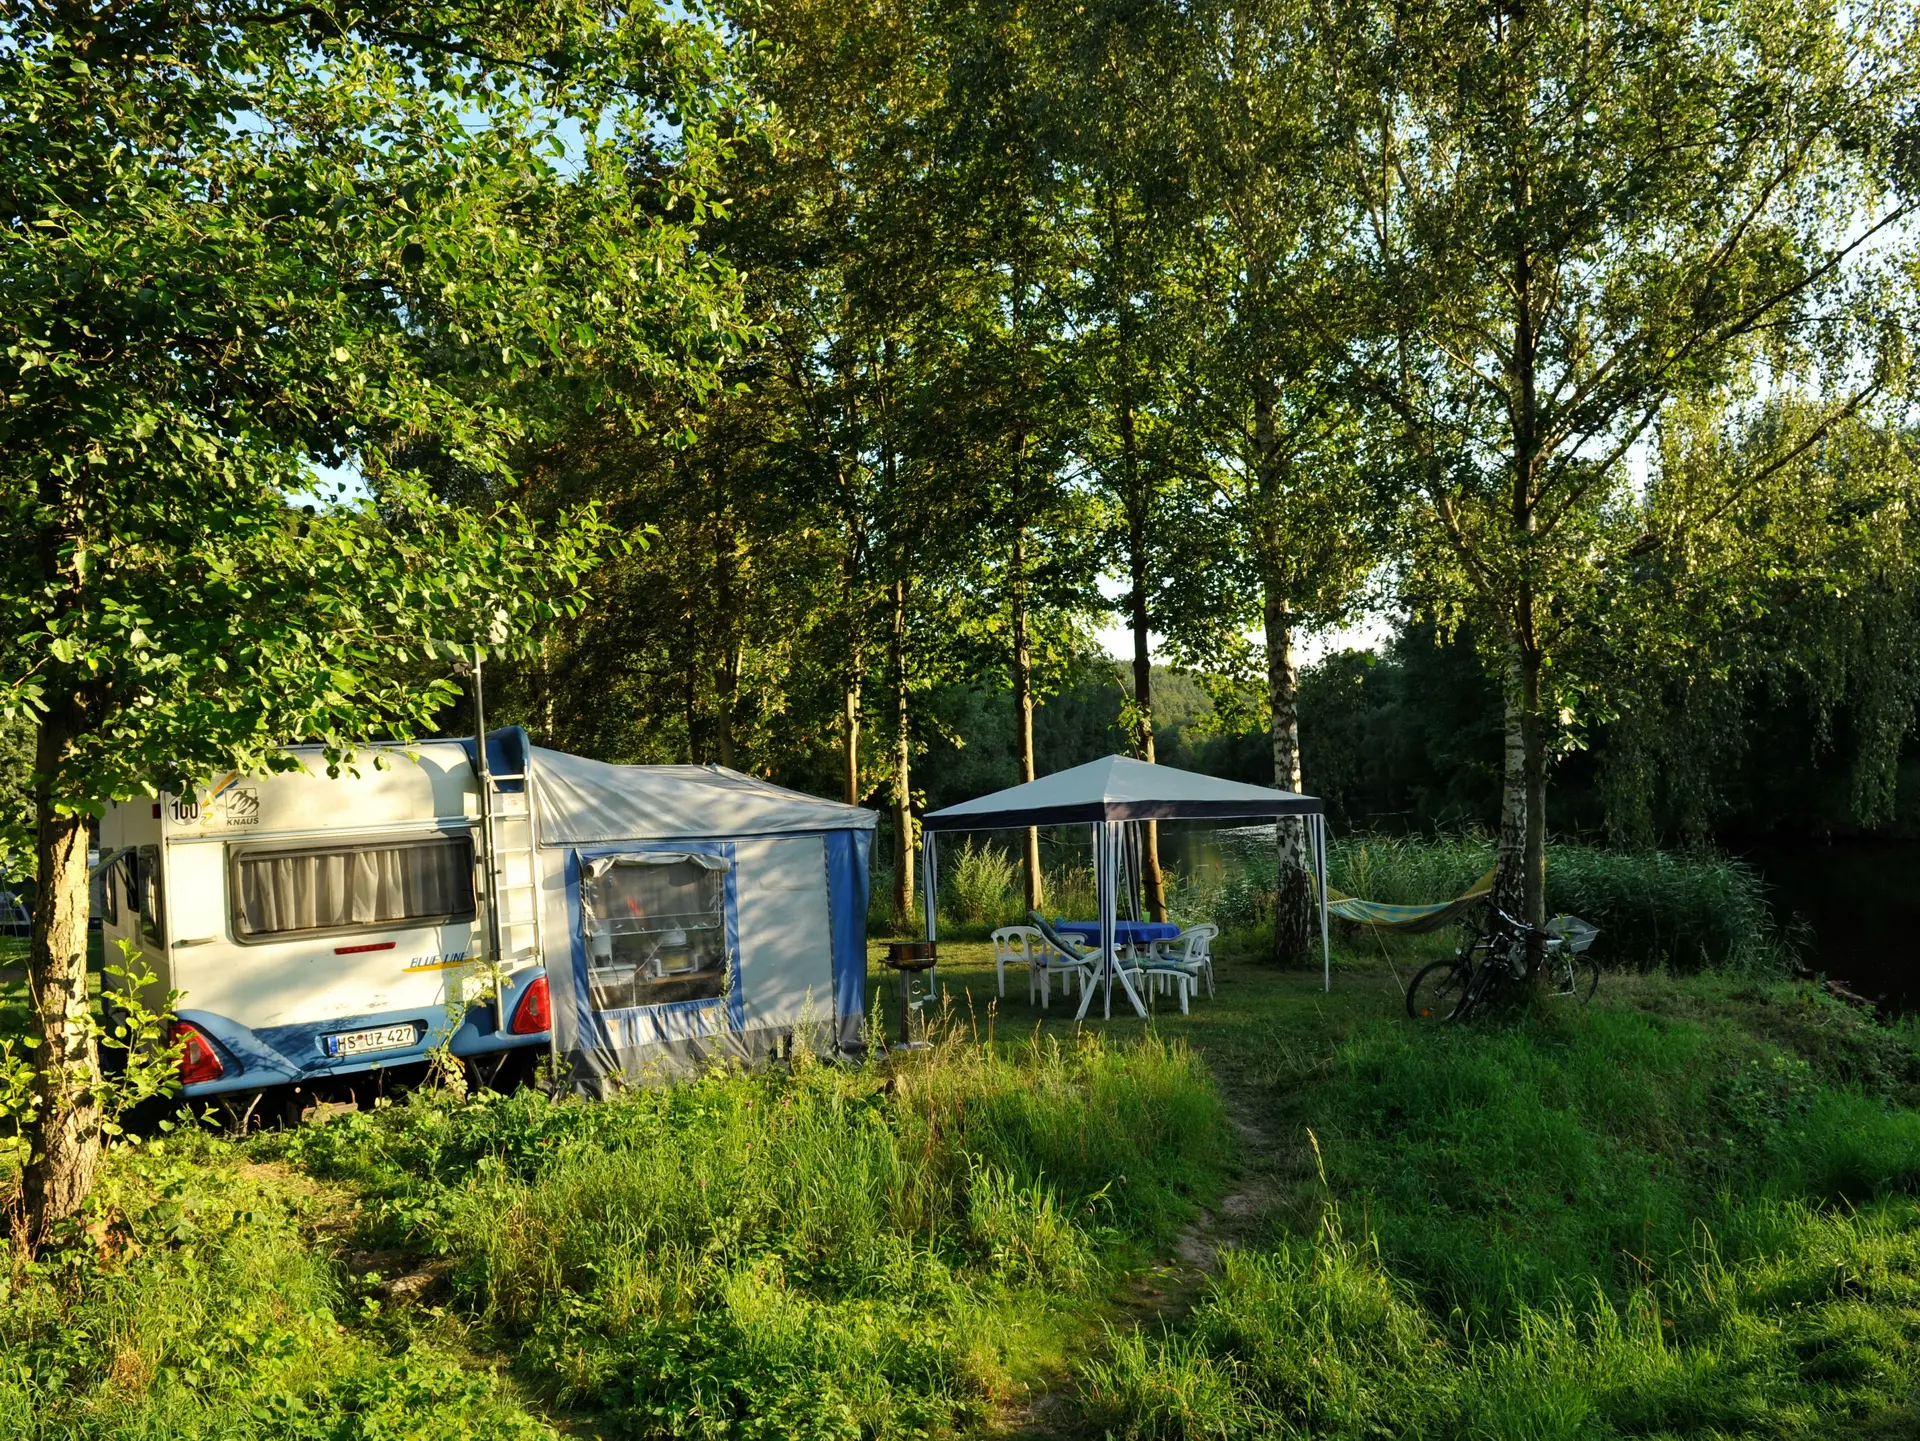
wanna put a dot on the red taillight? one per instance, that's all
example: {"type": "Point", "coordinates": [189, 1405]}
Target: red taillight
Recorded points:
{"type": "Point", "coordinates": [534, 1014]}
{"type": "Point", "coordinates": [198, 1060]}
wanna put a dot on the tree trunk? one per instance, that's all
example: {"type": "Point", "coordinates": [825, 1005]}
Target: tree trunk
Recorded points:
{"type": "Point", "coordinates": [690, 707]}
{"type": "Point", "coordinates": [1023, 711]}
{"type": "Point", "coordinates": [850, 712]}
{"type": "Point", "coordinates": [1150, 874]}
{"type": "Point", "coordinates": [64, 1141]}
{"type": "Point", "coordinates": [1522, 864]}
{"type": "Point", "coordinates": [851, 719]}
{"type": "Point", "coordinates": [1293, 903]}
{"type": "Point", "coordinates": [903, 837]}
{"type": "Point", "coordinates": [1533, 768]}
{"type": "Point", "coordinates": [1510, 857]}
{"type": "Point", "coordinates": [545, 675]}
{"type": "Point", "coordinates": [727, 683]}
{"type": "Point", "coordinates": [726, 670]}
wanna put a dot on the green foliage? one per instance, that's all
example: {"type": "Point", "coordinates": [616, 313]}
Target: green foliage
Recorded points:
{"type": "Point", "coordinates": [245, 242]}
{"type": "Point", "coordinates": [171, 605]}
{"type": "Point", "coordinates": [196, 1305]}
{"type": "Point", "coordinates": [143, 1064]}
{"type": "Point", "coordinates": [995, 897]}
{"type": "Point", "coordinates": [1652, 907]}
{"type": "Point", "coordinates": [825, 1252]}
{"type": "Point", "coordinates": [1311, 1339]}
{"type": "Point", "coordinates": [1618, 1223]}
{"type": "Point", "coordinates": [978, 882]}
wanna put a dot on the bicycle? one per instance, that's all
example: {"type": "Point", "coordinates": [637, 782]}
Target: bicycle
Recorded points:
{"type": "Point", "coordinates": [1460, 988]}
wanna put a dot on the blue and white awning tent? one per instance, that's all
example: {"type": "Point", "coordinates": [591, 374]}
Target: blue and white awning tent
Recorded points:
{"type": "Point", "coordinates": [1111, 796]}
{"type": "Point", "coordinates": [691, 913]}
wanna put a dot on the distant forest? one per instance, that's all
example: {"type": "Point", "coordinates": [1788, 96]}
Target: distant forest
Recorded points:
{"type": "Point", "coordinates": [1407, 739]}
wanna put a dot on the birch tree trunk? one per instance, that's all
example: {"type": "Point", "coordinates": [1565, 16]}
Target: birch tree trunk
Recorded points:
{"type": "Point", "coordinates": [1533, 772]}
{"type": "Point", "coordinates": [851, 721]}
{"type": "Point", "coordinates": [1293, 906]}
{"type": "Point", "coordinates": [1023, 712]}
{"type": "Point", "coordinates": [1510, 856]}
{"type": "Point", "coordinates": [64, 1140]}
{"type": "Point", "coordinates": [903, 837]}
{"type": "Point", "coordinates": [1150, 874]}
{"type": "Point", "coordinates": [726, 670]}
{"type": "Point", "coordinates": [1521, 872]}
{"type": "Point", "coordinates": [850, 699]}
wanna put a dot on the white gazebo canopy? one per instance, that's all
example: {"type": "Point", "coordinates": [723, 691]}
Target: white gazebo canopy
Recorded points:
{"type": "Point", "coordinates": [1108, 794]}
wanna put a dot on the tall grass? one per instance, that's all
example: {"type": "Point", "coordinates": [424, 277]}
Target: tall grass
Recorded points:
{"type": "Point", "coordinates": [825, 1252]}
{"type": "Point", "coordinates": [195, 1305]}
{"type": "Point", "coordinates": [1611, 1224]}
{"type": "Point", "coordinates": [981, 889]}
{"type": "Point", "coordinates": [1322, 1340]}
{"type": "Point", "coordinates": [979, 882]}
{"type": "Point", "coordinates": [1653, 907]}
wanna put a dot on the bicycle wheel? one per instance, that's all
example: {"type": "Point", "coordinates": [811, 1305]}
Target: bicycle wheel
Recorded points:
{"type": "Point", "coordinates": [1438, 992]}
{"type": "Point", "coordinates": [1575, 978]}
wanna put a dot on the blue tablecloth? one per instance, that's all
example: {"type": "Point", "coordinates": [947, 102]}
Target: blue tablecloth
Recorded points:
{"type": "Point", "coordinates": [1125, 933]}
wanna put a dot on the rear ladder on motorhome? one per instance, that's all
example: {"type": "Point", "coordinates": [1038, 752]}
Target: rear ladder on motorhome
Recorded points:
{"type": "Point", "coordinates": [510, 869]}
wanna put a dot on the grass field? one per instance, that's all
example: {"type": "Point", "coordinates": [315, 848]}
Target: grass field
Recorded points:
{"type": "Point", "coordinates": [1688, 1211]}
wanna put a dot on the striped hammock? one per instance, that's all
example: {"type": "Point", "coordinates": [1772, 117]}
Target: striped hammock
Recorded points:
{"type": "Point", "coordinates": [1410, 920]}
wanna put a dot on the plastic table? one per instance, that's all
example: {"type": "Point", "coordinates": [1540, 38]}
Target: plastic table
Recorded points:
{"type": "Point", "coordinates": [1138, 934]}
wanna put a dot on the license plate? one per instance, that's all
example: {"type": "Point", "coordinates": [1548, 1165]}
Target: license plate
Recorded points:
{"type": "Point", "coordinates": [381, 1038]}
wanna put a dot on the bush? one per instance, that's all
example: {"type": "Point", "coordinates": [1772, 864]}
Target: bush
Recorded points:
{"type": "Point", "coordinates": [982, 889]}
{"type": "Point", "coordinates": [980, 884]}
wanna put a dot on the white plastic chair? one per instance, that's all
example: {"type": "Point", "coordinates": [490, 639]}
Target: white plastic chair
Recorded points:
{"type": "Point", "coordinates": [1160, 974]}
{"type": "Point", "coordinates": [1025, 946]}
{"type": "Point", "coordinates": [1045, 957]}
{"type": "Point", "coordinates": [1017, 946]}
{"type": "Point", "coordinates": [1190, 951]}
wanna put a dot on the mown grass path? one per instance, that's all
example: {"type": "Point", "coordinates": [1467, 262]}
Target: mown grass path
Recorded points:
{"type": "Point", "coordinates": [1258, 1008]}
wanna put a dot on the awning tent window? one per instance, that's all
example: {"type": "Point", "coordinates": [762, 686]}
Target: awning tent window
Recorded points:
{"type": "Point", "coordinates": [656, 930]}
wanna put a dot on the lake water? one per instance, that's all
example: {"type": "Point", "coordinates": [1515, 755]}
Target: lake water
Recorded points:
{"type": "Point", "coordinates": [1861, 901]}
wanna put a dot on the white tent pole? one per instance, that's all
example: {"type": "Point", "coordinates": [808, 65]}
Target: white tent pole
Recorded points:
{"type": "Point", "coordinates": [1320, 862]}
{"type": "Point", "coordinates": [1104, 887]}
{"type": "Point", "coordinates": [930, 892]}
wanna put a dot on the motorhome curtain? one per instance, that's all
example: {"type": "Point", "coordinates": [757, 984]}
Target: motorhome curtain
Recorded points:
{"type": "Point", "coordinates": [284, 891]}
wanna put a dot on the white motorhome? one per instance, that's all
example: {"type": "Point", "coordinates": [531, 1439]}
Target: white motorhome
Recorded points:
{"type": "Point", "coordinates": [648, 917]}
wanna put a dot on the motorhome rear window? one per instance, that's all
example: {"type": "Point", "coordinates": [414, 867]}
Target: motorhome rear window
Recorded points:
{"type": "Point", "coordinates": [350, 888]}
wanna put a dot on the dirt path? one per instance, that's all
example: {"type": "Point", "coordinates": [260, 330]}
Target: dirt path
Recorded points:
{"type": "Point", "coordinates": [1169, 1290]}
{"type": "Point", "coordinates": [1166, 1292]}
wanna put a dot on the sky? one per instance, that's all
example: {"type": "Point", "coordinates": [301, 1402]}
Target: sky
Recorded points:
{"type": "Point", "coordinates": [1370, 632]}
